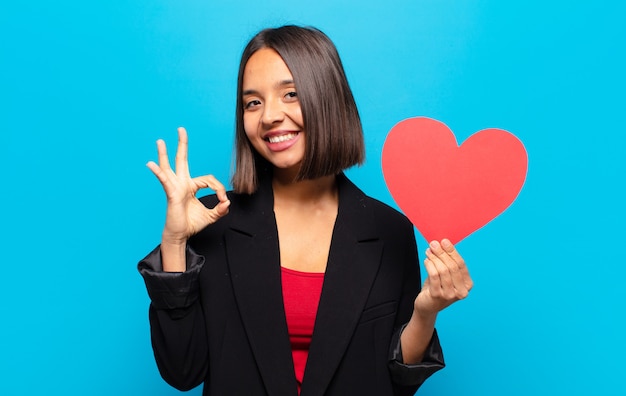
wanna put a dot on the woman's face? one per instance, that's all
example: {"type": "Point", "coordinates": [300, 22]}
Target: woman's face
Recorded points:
{"type": "Point", "coordinates": [272, 117]}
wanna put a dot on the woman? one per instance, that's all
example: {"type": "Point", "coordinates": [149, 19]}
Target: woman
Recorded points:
{"type": "Point", "coordinates": [296, 282]}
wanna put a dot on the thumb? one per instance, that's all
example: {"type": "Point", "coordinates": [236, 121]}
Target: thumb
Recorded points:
{"type": "Point", "coordinates": [218, 211]}
{"type": "Point", "coordinates": [222, 207]}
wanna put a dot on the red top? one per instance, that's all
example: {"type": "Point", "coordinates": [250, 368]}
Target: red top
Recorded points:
{"type": "Point", "coordinates": [301, 296]}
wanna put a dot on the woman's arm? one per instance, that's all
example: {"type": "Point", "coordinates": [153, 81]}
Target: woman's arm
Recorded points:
{"type": "Point", "coordinates": [448, 281]}
{"type": "Point", "coordinates": [177, 323]}
{"type": "Point", "coordinates": [185, 215]}
{"type": "Point", "coordinates": [171, 271]}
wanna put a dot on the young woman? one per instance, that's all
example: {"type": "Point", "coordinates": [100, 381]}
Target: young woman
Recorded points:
{"type": "Point", "coordinates": [296, 282]}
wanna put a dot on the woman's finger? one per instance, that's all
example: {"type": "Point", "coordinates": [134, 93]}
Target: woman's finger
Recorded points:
{"type": "Point", "coordinates": [433, 278]}
{"type": "Point", "coordinates": [221, 209]}
{"type": "Point", "coordinates": [164, 161]}
{"type": "Point", "coordinates": [442, 268]}
{"type": "Point", "coordinates": [210, 181]}
{"type": "Point", "coordinates": [158, 172]}
{"type": "Point", "coordinates": [463, 280]}
{"type": "Point", "coordinates": [182, 161]}
{"type": "Point", "coordinates": [451, 251]}
{"type": "Point", "coordinates": [456, 276]}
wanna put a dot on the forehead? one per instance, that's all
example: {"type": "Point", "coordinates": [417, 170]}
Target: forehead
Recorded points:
{"type": "Point", "coordinates": [265, 66]}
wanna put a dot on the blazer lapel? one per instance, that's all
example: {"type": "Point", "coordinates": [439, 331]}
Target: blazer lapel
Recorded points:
{"type": "Point", "coordinates": [253, 258]}
{"type": "Point", "coordinates": [352, 266]}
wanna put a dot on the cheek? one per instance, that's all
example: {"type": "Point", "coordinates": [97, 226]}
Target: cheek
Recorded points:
{"type": "Point", "coordinates": [297, 116]}
{"type": "Point", "coordinates": [250, 126]}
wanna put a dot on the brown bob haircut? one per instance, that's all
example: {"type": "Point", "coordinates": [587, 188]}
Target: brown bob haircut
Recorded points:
{"type": "Point", "coordinates": [334, 136]}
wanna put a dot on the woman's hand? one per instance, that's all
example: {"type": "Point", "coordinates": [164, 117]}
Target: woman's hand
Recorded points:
{"type": "Point", "coordinates": [448, 279]}
{"type": "Point", "coordinates": [186, 215]}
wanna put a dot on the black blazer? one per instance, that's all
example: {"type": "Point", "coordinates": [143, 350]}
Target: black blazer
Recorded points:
{"type": "Point", "coordinates": [222, 322]}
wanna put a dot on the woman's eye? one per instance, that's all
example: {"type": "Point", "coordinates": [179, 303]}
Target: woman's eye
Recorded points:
{"type": "Point", "coordinates": [251, 104]}
{"type": "Point", "coordinates": [291, 95]}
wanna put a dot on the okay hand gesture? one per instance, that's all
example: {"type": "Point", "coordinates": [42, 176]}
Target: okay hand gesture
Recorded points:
{"type": "Point", "coordinates": [186, 215]}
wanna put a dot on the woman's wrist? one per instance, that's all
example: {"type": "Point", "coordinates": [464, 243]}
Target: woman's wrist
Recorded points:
{"type": "Point", "coordinates": [173, 255]}
{"type": "Point", "coordinates": [416, 336]}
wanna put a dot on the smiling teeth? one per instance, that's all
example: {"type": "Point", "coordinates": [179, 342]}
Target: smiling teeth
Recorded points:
{"type": "Point", "coordinates": [281, 138]}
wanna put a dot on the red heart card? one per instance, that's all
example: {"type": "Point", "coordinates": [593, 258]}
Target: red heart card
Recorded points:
{"type": "Point", "coordinates": [447, 190]}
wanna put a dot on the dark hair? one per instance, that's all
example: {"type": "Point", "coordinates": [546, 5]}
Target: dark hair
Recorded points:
{"type": "Point", "coordinates": [331, 120]}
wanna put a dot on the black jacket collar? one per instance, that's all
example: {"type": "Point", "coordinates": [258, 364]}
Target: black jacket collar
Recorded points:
{"type": "Point", "coordinates": [253, 257]}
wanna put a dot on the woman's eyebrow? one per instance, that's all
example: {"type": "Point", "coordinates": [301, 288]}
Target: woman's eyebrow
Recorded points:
{"type": "Point", "coordinates": [280, 84]}
{"type": "Point", "coordinates": [285, 82]}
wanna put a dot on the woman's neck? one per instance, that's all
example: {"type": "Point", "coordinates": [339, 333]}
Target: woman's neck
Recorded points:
{"type": "Point", "coordinates": [320, 191]}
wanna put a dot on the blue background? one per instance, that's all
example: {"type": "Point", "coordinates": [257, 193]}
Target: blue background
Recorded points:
{"type": "Point", "coordinates": [87, 87]}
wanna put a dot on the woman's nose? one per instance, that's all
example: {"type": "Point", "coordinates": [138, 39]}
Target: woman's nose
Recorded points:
{"type": "Point", "coordinates": [273, 112]}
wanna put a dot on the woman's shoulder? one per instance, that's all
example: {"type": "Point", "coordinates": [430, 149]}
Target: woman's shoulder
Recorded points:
{"type": "Point", "coordinates": [385, 213]}
{"type": "Point", "coordinates": [383, 207]}
{"type": "Point", "coordinates": [381, 211]}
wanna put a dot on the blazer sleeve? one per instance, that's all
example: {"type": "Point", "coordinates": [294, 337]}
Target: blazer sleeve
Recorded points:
{"type": "Point", "coordinates": [177, 325]}
{"type": "Point", "coordinates": [410, 376]}
{"type": "Point", "coordinates": [414, 374]}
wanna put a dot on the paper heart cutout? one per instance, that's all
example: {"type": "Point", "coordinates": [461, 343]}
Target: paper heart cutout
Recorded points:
{"type": "Point", "coordinates": [446, 190]}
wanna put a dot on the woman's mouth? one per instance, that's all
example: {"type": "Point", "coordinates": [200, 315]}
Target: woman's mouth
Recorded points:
{"type": "Point", "coordinates": [281, 138]}
{"type": "Point", "coordinates": [281, 141]}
